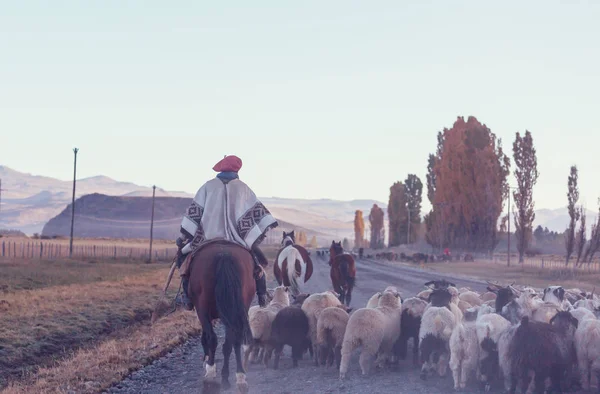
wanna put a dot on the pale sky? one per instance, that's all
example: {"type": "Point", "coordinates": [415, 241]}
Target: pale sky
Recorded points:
{"type": "Point", "coordinates": [320, 99]}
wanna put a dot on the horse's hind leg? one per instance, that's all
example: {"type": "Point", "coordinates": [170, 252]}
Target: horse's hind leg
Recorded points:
{"type": "Point", "coordinates": [240, 376]}
{"type": "Point", "coordinates": [210, 382]}
{"type": "Point", "coordinates": [205, 348]}
{"type": "Point", "coordinates": [348, 296]}
{"type": "Point", "coordinates": [227, 347]}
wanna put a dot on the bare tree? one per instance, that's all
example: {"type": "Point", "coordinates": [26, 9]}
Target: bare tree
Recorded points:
{"type": "Point", "coordinates": [581, 239]}
{"type": "Point", "coordinates": [572, 197]}
{"type": "Point", "coordinates": [527, 174]}
{"type": "Point", "coordinates": [594, 243]}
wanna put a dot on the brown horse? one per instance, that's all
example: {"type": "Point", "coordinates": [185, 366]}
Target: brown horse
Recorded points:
{"type": "Point", "coordinates": [290, 262]}
{"type": "Point", "coordinates": [222, 287]}
{"type": "Point", "coordinates": [343, 272]}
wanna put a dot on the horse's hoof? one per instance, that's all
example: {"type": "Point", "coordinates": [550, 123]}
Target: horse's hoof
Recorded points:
{"type": "Point", "coordinates": [242, 385]}
{"type": "Point", "coordinates": [225, 385]}
{"type": "Point", "coordinates": [423, 376]}
{"type": "Point", "coordinates": [211, 387]}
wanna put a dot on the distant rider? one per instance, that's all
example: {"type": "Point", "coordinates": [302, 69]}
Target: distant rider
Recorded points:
{"type": "Point", "coordinates": [225, 208]}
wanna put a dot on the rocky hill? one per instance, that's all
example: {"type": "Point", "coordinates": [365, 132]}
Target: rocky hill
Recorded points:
{"type": "Point", "coordinates": [29, 201]}
{"type": "Point", "coordinates": [99, 215]}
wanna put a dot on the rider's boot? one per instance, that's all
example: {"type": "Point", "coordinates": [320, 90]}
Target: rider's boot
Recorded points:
{"type": "Point", "coordinates": [261, 288]}
{"type": "Point", "coordinates": [260, 261]}
{"type": "Point", "coordinates": [185, 299]}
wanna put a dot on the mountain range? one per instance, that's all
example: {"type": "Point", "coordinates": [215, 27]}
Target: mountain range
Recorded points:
{"type": "Point", "coordinates": [30, 201]}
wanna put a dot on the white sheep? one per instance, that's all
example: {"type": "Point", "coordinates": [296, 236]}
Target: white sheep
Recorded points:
{"type": "Point", "coordinates": [424, 295]}
{"type": "Point", "coordinates": [261, 319]}
{"type": "Point", "coordinates": [488, 296]}
{"type": "Point", "coordinates": [331, 327]}
{"type": "Point", "coordinates": [374, 300]}
{"type": "Point", "coordinates": [436, 328]}
{"type": "Point", "coordinates": [464, 306]}
{"type": "Point", "coordinates": [471, 297]}
{"type": "Point", "coordinates": [464, 353]}
{"type": "Point", "coordinates": [375, 329]}
{"type": "Point", "coordinates": [504, 341]}
{"type": "Point", "coordinates": [587, 346]}
{"type": "Point", "coordinates": [591, 305]}
{"type": "Point", "coordinates": [454, 304]}
{"type": "Point", "coordinates": [556, 295]}
{"type": "Point", "coordinates": [313, 306]}
{"type": "Point", "coordinates": [545, 312]}
{"type": "Point", "coordinates": [489, 328]}
{"type": "Point", "coordinates": [582, 314]}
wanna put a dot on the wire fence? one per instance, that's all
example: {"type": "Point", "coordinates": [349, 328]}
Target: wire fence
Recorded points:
{"type": "Point", "coordinates": [550, 263]}
{"type": "Point", "coordinates": [53, 250]}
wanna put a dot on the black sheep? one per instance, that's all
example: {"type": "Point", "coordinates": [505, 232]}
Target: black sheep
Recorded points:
{"type": "Point", "coordinates": [290, 327]}
{"type": "Point", "coordinates": [545, 349]}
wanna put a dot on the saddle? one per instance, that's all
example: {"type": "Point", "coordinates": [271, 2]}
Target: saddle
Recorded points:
{"type": "Point", "coordinates": [184, 270]}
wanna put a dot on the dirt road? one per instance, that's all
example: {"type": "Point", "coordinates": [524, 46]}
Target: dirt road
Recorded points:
{"type": "Point", "coordinates": [182, 370]}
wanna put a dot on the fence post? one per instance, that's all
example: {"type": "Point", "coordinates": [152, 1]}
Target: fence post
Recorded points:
{"type": "Point", "coordinates": [15, 250]}
{"type": "Point", "coordinates": [3, 248]}
{"type": "Point", "coordinates": [115, 255]}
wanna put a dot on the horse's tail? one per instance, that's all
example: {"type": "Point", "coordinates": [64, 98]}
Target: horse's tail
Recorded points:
{"type": "Point", "coordinates": [348, 276]}
{"type": "Point", "coordinates": [228, 295]}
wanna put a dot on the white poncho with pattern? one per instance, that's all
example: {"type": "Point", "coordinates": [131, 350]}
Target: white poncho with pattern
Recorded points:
{"type": "Point", "coordinates": [226, 210]}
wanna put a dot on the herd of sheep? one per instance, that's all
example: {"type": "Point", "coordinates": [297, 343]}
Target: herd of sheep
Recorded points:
{"type": "Point", "coordinates": [532, 338]}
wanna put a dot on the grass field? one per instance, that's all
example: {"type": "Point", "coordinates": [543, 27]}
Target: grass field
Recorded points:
{"type": "Point", "coordinates": [519, 274]}
{"type": "Point", "coordinates": [80, 326]}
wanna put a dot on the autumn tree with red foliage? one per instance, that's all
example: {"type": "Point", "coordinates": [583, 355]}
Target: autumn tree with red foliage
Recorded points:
{"type": "Point", "coordinates": [467, 181]}
{"type": "Point", "coordinates": [359, 229]}
{"type": "Point", "coordinates": [376, 218]}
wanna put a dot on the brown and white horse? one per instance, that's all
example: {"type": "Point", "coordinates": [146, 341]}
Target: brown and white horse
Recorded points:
{"type": "Point", "coordinates": [292, 263]}
{"type": "Point", "coordinates": [343, 272]}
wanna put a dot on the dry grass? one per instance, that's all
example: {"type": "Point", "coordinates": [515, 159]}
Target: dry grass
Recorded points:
{"type": "Point", "coordinates": [519, 274]}
{"type": "Point", "coordinates": [94, 370]}
{"type": "Point", "coordinates": [38, 326]}
{"type": "Point", "coordinates": [17, 274]}
{"type": "Point", "coordinates": [69, 326]}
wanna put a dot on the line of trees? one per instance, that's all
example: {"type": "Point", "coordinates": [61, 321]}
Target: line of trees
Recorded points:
{"type": "Point", "coordinates": [576, 242]}
{"type": "Point", "coordinates": [467, 186]}
{"type": "Point", "coordinates": [404, 210]}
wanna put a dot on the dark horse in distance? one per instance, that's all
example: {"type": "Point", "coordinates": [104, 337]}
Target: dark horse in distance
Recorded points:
{"type": "Point", "coordinates": [222, 287]}
{"type": "Point", "coordinates": [343, 272]}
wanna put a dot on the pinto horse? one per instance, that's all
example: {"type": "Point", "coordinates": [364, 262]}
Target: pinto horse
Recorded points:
{"type": "Point", "coordinates": [222, 287]}
{"type": "Point", "coordinates": [343, 272]}
{"type": "Point", "coordinates": [291, 262]}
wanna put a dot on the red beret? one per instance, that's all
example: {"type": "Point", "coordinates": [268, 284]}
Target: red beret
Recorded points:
{"type": "Point", "coordinates": [229, 164]}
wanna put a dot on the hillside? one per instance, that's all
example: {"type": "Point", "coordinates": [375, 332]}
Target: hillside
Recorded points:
{"type": "Point", "coordinates": [99, 215]}
{"type": "Point", "coordinates": [29, 201]}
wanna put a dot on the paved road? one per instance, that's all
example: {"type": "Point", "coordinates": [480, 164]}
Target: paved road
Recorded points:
{"type": "Point", "coordinates": [181, 371]}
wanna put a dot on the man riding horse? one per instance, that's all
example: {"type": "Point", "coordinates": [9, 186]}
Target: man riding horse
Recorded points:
{"type": "Point", "coordinates": [225, 208]}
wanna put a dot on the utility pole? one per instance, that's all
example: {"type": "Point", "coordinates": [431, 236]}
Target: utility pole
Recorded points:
{"type": "Point", "coordinates": [508, 249]}
{"type": "Point", "coordinates": [152, 223]}
{"type": "Point", "coordinates": [75, 150]}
